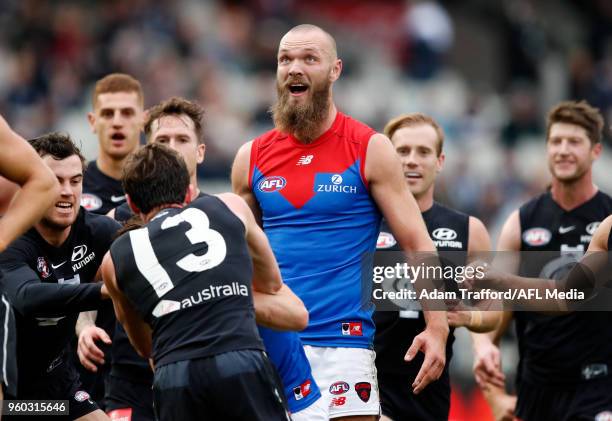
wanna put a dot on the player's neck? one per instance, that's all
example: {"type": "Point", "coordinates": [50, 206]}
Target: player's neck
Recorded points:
{"type": "Point", "coordinates": [425, 201]}
{"type": "Point", "coordinates": [51, 235]}
{"type": "Point", "coordinates": [146, 217]}
{"type": "Point", "coordinates": [109, 166]}
{"type": "Point", "coordinates": [325, 125]}
{"type": "Point", "coordinates": [571, 195]}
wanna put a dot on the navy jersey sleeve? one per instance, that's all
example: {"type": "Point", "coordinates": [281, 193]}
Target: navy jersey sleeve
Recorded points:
{"type": "Point", "coordinates": [104, 230]}
{"type": "Point", "coordinates": [31, 297]}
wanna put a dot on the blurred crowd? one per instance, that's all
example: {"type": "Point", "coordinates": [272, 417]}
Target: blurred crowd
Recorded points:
{"type": "Point", "coordinates": [487, 71]}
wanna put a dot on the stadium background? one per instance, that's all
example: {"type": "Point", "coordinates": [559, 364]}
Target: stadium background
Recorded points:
{"type": "Point", "coordinates": [487, 71]}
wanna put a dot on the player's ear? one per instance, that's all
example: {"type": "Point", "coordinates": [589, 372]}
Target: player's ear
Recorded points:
{"type": "Point", "coordinates": [91, 118]}
{"type": "Point", "coordinates": [132, 205]}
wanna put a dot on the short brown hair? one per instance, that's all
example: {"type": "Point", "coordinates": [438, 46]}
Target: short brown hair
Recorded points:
{"type": "Point", "coordinates": [177, 106]}
{"type": "Point", "coordinates": [415, 119]}
{"type": "Point", "coordinates": [580, 114]}
{"type": "Point", "coordinates": [155, 175]}
{"type": "Point", "coordinates": [117, 82]}
{"type": "Point", "coordinates": [59, 145]}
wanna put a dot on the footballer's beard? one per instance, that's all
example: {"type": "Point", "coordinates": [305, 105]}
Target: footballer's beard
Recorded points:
{"type": "Point", "coordinates": [302, 120]}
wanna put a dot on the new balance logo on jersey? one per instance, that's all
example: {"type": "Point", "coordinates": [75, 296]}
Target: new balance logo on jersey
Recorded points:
{"type": "Point", "coordinates": [301, 391]}
{"type": "Point", "coordinates": [336, 186]}
{"type": "Point", "coordinates": [305, 160]}
{"type": "Point", "coordinates": [352, 329]}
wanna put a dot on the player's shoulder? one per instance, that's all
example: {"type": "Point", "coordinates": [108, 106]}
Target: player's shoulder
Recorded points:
{"type": "Point", "coordinates": [266, 139]}
{"type": "Point", "coordinates": [447, 211]}
{"type": "Point", "coordinates": [354, 129]}
{"type": "Point", "coordinates": [25, 247]}
{"type": "Point", "coordinates": [535, 204]}
{"type": "Point", "coordinates": [604, 199]}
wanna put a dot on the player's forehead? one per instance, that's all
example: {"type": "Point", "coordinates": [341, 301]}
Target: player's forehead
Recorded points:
{"type": "Point", "coordinates": [314, 40]}
{"type": "Point", "coordinates": [565, 130]}
{"type": "Point", "coordinates": [64, 168]}
{"type": "Point", "coordinates": [420, 134]}
{"type": "Point", "coordinates": [173, 125]}
{"type": "Point", "coordinates": [114, 100]}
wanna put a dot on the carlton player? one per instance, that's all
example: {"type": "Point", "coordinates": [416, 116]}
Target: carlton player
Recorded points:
{"type": "Point", "coordinates": [181, 287]}
{"type": "Point", "coordinates": [559, 374]}
{"type": "Point", "coordinates": [418, 141]}
{"type": "Point", "coordinates": [48, 277]}
{"type": "Point", "coordinates": [116, 119]}
{"type": "Point", "coordinates": [319, 200]}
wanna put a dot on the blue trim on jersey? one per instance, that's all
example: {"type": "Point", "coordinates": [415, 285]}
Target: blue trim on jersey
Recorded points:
{"type": "Point", "coordinates": [287, 354]}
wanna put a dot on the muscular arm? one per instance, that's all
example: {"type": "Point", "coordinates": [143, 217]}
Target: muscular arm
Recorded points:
{"type": "Point", "coordinates": [30, 297]}
{"type": "Point", "coordinates": [389, 190]}
{"type": "Point", "coordinates": [139, 332]}
{"type": "Point", "coordinates": [591, 272]}
{"type": "Point", "coordinates": [240, 179]}
{"type": "Point", "coordinates": [39, 187]}
{"type": "Point", "coordinates": [266, 275]}
{"type": "Point", "coordinates": [281, 311]}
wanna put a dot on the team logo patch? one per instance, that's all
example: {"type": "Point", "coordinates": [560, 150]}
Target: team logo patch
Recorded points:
{"type": "Point", "coordinates": [604, 416]}
{"type": "Point", "coordinates": [272, 184]}
{"type": "Point", "coordinates": [91, 202]}
{"type": "Point", "coordinates": [301, 391]}
{"type": "Point", "coordinates": [352, 329]}
{"type": "Point", "coordinates": [444, 234]}
{"type": "Point", "coordinates": [363, 390]}
{"type": "Point", "coordinates": [385, 240]}
{"type": "Point", "coordinates": [592, 227]}
{"type": "Point", "coordinates": [537, 237]}
{"type": "Point", "coordinates": [43, 267]}
{"type": "Point", "coordinates": [339, 388]}
{"type": "Point", "coordinates": [123, 414]}
{"type": "Point", "coordinates": [81, 396]}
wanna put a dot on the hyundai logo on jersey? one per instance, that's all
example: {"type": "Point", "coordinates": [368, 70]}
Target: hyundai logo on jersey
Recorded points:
{"type": "Point", "coordinates": [272, 184]}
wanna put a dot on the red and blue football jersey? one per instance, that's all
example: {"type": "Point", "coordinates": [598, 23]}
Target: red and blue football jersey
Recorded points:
{"type": "Point", "coordinates": [321, 221]}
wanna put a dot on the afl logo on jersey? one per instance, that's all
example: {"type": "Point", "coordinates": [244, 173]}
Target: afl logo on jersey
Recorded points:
{"type": "Point", "coordinates": [91, 202]}
{"type": "Point", "coordinates": [592, 227]}
{"type": "Point", "coordinates": [537, 237]}
{"type": "Point", "coordinates": [444, 234]}
{"type": "Point", "coordinates": [385, 240]}
{"type": "Point", "coordinates": [272, 184]}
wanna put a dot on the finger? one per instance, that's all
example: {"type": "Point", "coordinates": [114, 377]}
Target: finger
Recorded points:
{"type": "Point", "coordinates": [86, 363]}
{"type": "Point", "coordinates": [417, 343]}
{"type": "Point", "coordinates": [104, 336]}
{"type": "Point", "coordinates": [432, 374]}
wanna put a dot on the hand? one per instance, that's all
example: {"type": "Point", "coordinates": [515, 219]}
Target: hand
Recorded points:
{"type": "Point", "coordinates": [503, 406]}
{"type": "Point", "coordinates": [459, 318]}
{"type": "Point", "coordinates": [87, 350]}
{"type": "Point", "coordinates": [432, 342]}
{"type": "Point", "coordinates": [487, 365]}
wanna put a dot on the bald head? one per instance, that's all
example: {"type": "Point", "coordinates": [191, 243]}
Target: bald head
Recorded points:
{"type": "Point", "coordinates": [310, 34]}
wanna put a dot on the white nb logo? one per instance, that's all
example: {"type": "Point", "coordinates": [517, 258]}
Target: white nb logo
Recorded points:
{"type": "Point", "coordinates": [305, 160]}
